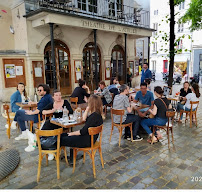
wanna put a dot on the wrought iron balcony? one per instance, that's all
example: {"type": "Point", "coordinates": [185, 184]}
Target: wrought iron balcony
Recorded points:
{"type": "Point", "coordinates": [109, 10]}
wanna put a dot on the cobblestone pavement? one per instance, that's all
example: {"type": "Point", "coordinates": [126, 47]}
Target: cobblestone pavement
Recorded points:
{"type": "Point", "coordinates": [137, 165]}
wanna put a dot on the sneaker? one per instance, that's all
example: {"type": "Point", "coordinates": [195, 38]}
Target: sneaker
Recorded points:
{"type": "Point", "coordinates": [137, 138]}
{"type": "Point", "coordinates": [22, 136]}
{"type": "Point", "coordinates": [50, 156]}
{"type": "Point", "coordinates": [14, 125]}
{"type": "Point", "coordinates": [29, 148]}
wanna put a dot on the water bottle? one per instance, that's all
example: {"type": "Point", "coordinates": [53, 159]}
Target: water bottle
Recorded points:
{"type": "Point", "coordinates": [65, 114]}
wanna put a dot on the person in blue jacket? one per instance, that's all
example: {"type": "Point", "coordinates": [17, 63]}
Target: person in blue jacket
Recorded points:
{"type": "Point", "coordinates": [19, 96]}
{"type": "Point", "coordinates": [28, 115]}
{"type": "Point", "coordinates": [146, 73]}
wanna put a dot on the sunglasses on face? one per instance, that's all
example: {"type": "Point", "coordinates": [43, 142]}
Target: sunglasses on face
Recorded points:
{"type": "Point", "coordinates": [39, 90]}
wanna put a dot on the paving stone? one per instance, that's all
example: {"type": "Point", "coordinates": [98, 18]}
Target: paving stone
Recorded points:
{"type": "Point", "coordinates": [136, 179]}
{"type": "Point", "coordinates": [123, 178]}
{"type": "Point", "coordinates": [139, 186]}
{"type": "Point", "coordinates": [89, 180]}
{"type": "Point", "coordinates": [172, 185]}
{"type": "Point", "coordinates": [112, 184]}
{"type": "Point", "coordinates": [162, 163]}
{"type": "Point", "coordinates": [192, 168]}
{"type": "Point", "coordinates": [120, 158]}
{"type": "Point", "coordinates": [126, 185]}
{"type": "Point", "coordinates": [182, 166]}
{"type": "Point", "coordinates": [147, 180]}
{"type": "Point", "coordinates": [132, 172]}
{"type": "Point", "coordinates": [78, 186]}
{"type": "Point", "coordinates": [29, 186]}
{"type": "Point", "coordinates": [160, 183]}
{"type": "Point", "coordinates": [145, 173]}
{"type": "Point", "coordinates": [151, 187]}
{"type": "Point", "coordinates": [112, 176]}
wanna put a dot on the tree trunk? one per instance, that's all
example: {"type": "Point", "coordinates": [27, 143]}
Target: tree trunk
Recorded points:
{"type": "Point", "coordinates": [172, 39]}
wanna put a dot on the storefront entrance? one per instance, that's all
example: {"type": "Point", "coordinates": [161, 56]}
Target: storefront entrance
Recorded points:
{"type": "Point", "coordinates": [63, 70]}
{"type": "Point", "coordinates": [118, 64]}
{"type": "Point", "coordinates": [89, 65]}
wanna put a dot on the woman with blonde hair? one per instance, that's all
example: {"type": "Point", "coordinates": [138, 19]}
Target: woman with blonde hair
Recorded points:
{"type": "Point", "coordinates": [93, 117]}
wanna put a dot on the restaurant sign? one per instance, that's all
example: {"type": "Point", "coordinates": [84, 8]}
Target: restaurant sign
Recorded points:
{"type": "Point", "coordinates": [107, 27]}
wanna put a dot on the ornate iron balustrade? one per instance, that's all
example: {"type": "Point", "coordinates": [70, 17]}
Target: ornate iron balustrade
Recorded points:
{"type": "Point", "coordinates": [104, 9]}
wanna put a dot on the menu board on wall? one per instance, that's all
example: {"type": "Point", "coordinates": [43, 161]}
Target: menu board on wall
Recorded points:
{"type": "Point", "coordinates": [78, 70]}
{"type": "Point", "coordinates": [107, 70]}
{"type": "Point", "coordinates": [14, 72]}
{"type": "Point", "coordinates": [38, 72]}
{"type": "Point", "coordinates": [131, 67]}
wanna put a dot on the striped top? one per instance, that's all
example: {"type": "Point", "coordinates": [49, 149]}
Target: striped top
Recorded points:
{"type": "Point", "coordinates": [121, 102]}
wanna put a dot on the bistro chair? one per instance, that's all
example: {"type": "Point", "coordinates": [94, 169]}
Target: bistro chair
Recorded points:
{"type": "Point", "coordinates": [56, 152]}
{"type": "Point", "coordinates": [190, 113]}
{"type": "Point", "coordinates": [38, 124]}
{"type": "Point", "coordinates": [74, 102]}
{"type": "Point", "coordinates": [168, 127]}
{"type": "Point", "coordinates": [120, 125]}
{"type": "Point", "coordinates": [109, 104]}
{"type": "Point", "coordinates": [91, 150]}
{"type": "Point", "coordinates": [9, 117]}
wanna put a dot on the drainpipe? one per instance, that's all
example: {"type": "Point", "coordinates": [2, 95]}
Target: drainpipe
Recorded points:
{"type": "Point", "coordinates": [95, 42]}
{"type": "Point", "coordinates": [53, 55]}
{"type": "Point", "coordinates": [125, 57]}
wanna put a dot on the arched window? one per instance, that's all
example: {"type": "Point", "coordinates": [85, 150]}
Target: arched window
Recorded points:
{"type": "Point", "coordinates": [62, 61]}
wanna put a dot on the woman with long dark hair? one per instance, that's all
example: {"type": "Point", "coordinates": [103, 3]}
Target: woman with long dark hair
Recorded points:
{"type": "Point", "coordinates": [194, 96]}
{"type": "Point", "coordinates": [19, 96]}
{"type": "Point", "coordinates": [161, 104]}
{"type": "Point", "coordinates": [93, 117]}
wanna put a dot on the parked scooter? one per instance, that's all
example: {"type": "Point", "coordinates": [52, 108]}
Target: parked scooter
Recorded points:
{"type": "Point", "coordinates": [177, 78]}
{"type": "Point", "coordinates": [194, 79]}
{"type": "Point", "coordinates": [153, 76]}
{"type": "Point", "coordinates": [165, 76]}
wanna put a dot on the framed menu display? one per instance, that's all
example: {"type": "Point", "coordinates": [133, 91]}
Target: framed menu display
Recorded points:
{"type": "Point", "coordinates": [38, 72]}
{"type": "Point", "coordinates": [14, 72]}
{"type": "Point", "coordinates": [137, 67]}
{"type": "Point", "coordinates": [131, 67]}
{"type": "Point", "coordinates": [107, 70]}
{"type": "Point", "coordinates": [78, 70]}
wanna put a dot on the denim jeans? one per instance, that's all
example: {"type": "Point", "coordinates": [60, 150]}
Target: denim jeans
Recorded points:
{"type": "Point", "coordinates": [21, 117]}
{"type": "Point", "coordinates": [135, 119]}
{"type": "Point", "coordinates": [146, 123]}
{"type": "Point", "coordinates": [182, 107]}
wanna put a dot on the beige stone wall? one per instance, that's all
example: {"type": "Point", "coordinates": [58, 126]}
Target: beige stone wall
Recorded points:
{"type": "Point", "coordinates": [6, 37]}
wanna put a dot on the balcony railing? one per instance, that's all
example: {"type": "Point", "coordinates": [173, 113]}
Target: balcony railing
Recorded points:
{"type": "Point", "coordinates": [107, 10]}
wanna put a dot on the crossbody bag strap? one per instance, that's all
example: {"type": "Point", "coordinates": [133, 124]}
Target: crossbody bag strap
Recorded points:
{"type": "Point", "coordinates": [164, 103]}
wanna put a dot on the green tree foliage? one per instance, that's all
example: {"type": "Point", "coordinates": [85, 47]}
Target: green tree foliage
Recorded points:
{"type": "Point", "coordinates": [194, 14]}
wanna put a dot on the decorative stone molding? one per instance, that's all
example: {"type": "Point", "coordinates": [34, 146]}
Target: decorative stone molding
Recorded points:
{"type": "Point", "coordinates": [119, 40]}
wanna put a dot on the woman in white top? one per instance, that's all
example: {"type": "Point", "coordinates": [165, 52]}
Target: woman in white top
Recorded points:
{"type": "Point", "coordinates": [194, 96]}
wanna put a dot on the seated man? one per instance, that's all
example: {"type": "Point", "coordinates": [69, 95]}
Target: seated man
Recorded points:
{"type": "Point", "coordinates": [145, 97]}
{"type": "Point", "coordinates": [27, 115]}
{"type": "Point", "coordinates": [121, 101]}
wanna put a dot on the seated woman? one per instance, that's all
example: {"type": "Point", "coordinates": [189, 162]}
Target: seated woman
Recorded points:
{"type": "Point", "coordinates": [183, 92]}
{"type": "Point", "coordinates": [194, 96]}
{"type": "Point", "coordinates": [104, 92]}
{"type": "Point", "coordinates": [81, 91]}
{"type": "Point", "coordinates": [93, 116]}
{"type": "Point", "coordinates": [19, 96]}
{"type": "Point", "coordinates": [159, 110]}
{"type": "Point", "coordinates": [56, 109]}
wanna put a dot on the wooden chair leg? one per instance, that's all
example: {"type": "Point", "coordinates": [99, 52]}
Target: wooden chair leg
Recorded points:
{"type": "Point", "coordinates": [39, 168]}
{"type": "Point", "coordinates": [131, 132]}
{"type": "Point", "coordinates": [65, 154]}
{"type": "Point", "coordinates": [9, 130]}
{"type": "Point", "coordinates": [168, 138]}
{"type": "Point", "coordinates": [120, 134]}
{"type": "Point", "coordinates": [171, 129]}
{"type": "Point", "coordinates": [195, 119]}
{"type": "Point", "coordinates": [74, 159]}
{"type": "Point", "coordinates": [84, 156]}
{"type": "Point", "coordinates": [100, 151]}
{"type": "Point", "coordinates": [46, 159]}
{"type": "Point", "coordinates": [190, 118]}
{"type": "Point", "coordinates": [111, 133]}
{"type": "Point", "coordinates": [58, 164]}
{"type": "Point", "coordinates": [93, 163]}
